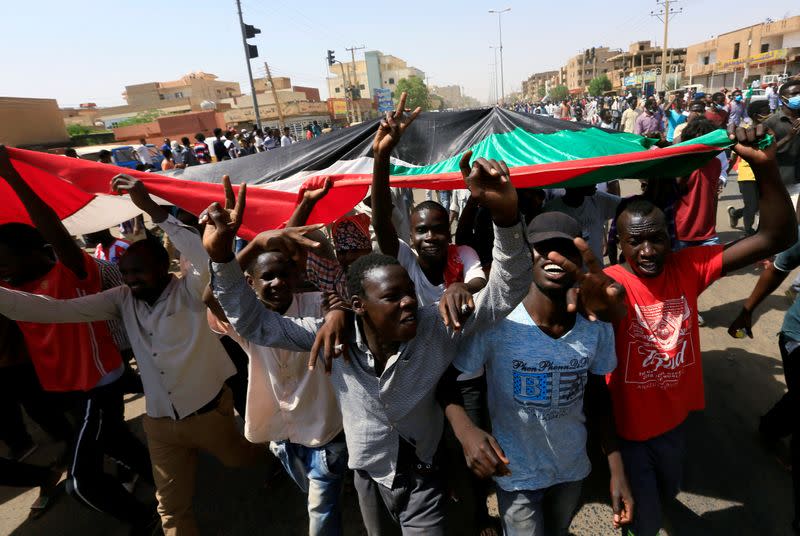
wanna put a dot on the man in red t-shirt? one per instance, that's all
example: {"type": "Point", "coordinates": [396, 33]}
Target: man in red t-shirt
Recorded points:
{"type": "Point", "coordinates": [659, 379]}
{"type": "Point", "coordinates": [696, 209]}
{"type": "Point", "coordinates": [79, 359]}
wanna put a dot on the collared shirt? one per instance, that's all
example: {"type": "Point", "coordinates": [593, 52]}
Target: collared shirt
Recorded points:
{"type": "Point", "coordinates": [737, 114]}
{"type": "Point", "coordinates": [378, 410]}
{"type": "Point", "coordinates": [629, 120]}
{"type": "Point", "coordinates": [648, 123]}
{"type": "Point", "coordinates": [182, 363]}
{"type": "Point", "coordinates": [285, 400]}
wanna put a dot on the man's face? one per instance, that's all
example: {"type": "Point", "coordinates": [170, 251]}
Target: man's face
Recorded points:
{"type": "Point", "coordinates": [389, 303]}
{"type": "Point", "coordinates": [273, 277]}
{"type": "Point", "coordinates": [142, 274]}
{"type": "Point", "coordinates": [548, 276]}
{"type": "Point", "coordinates": [645, 242]}
{"type": "Point", "coordinates": [430, 233]}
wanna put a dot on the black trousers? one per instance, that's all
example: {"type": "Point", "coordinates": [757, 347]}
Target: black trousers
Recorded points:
{"type": "Point", "coordinates": [470, 490]}
{"type": "Point", "coordinates": [783, 419]}
{"type": "Point", "coordinates": [102, 431]}
{"type": "Point", "coordinates": [19, 386]}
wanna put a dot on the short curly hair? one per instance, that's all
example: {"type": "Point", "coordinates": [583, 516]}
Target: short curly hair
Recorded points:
{"type": "Point", "coordinates": [362, 266]}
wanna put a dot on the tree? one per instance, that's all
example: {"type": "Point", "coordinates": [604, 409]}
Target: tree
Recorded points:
{"type": "Point", "coordinates": [559, 93]}
{"type": "Point", "coordinates": [141, 117]}
{"type": "Point", "coordinates": [417, 92]}
{"type": "Point", "coordinates": [599, 85]}
{"type": "Point", "coordinates": [541, 92]}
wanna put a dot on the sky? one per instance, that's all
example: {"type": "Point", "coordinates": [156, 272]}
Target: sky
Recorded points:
{"type": "Point", "coordinates": [88, 51]}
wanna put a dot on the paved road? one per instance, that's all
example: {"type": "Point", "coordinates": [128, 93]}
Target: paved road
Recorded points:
{"type": "Point", "coordinates": [732, 484]}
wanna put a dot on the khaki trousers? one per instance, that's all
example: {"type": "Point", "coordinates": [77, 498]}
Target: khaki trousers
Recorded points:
{"type": "Point", "coordinates": [174, 445]}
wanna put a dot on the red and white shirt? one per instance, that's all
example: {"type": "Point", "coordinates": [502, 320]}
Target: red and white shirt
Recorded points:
{"type": "Point", "coordinates": [114, 252]}
{"type": "Point", "coordinates": [659, 375]}
{"type": "Point", "coordinates": [69, 357]}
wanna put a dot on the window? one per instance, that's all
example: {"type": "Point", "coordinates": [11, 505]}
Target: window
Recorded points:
{"type": "Point", "coordinates": [705, 60]}
{"type": "Point", "coordinates": [765, 48]}
{"type": "Point", "coordinates": [391, 80]}
{"type": "Point", "coordinates": [361, 86]}
{"type": "Point", "coordinates": [179, 95]}
{"type": "Point", "coordinates": [160, 96]}
{"type": "Point", "coordinates": [641, 47]}
{"type": "Point", "coordinates": [338, 90]}
{"type": "Point", "coordinates": [736, 51]}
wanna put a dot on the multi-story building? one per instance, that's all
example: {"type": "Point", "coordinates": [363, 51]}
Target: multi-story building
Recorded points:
{"type": "Point", "coordinates": [642, 63]}
{"type": "Point", "coordinates": [193, 88]}
{"type": "Point", "coordinates": [736, 58]}
{"type": "Point", "coordinates": [538, 84]}
{"type": "Point", "coordinates": [453, 97]}
{"type": "Point", "coordinates": [31, 123]}
{"type": "Point", "coordinates": [376, 71]}
{"type": "Point", "coordinates": [590, 63]}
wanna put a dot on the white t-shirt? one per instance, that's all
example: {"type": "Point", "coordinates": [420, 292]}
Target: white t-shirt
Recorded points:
{"type": "Point", "coordinates": [592, 215]}
{"type": "Point", "coordinates": [458, 200]}
{"type": "Point", "coordinates": [285, 140]}
{"type": "Point", "coordinates": [145, 154]}
{"type": "Point", "coordinates": [428, 293]}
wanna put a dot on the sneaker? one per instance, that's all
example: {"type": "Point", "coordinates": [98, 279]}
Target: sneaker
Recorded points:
{"type": "Point", "coordinates": [733, 219]}
{"type": "Point", "coordinates": [22, 453]}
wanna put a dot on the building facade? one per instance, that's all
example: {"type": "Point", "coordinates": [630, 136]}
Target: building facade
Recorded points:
{"type": "Point", "coordinates": [192, 88]}
{"type": "Point", "coordinates": [538, 84]}
{"type": "Point", "coordinates": [31, 123]}
{"type": "Point", "coordinates": [737, 58]}
{"type": "Point", "coordinates": [376, 71]}
{"type": "Point", "coordinates": [642, 63]}
{"type": "Point", "coordinates": [591, 63]}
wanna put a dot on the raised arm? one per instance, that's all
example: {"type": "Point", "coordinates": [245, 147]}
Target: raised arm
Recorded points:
{"type": "Point", "coordinates": [303, 209]}
{"type": "Point", "coordinates": [777, 228]}
{"type": "Point", "coordinates": [27, 307]}
{"type": "Point", "coordinates": [389, 132]}
{"type": "Point", "coordinates": [512, 270]}
{"type": "Point", "coordinates": [246, 314]}
{"type": "Point", "coordinates": [44, 218]}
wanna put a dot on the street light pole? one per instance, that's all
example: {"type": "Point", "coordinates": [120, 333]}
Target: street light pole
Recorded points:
{"type": "Point", "coordinates": [499, 14]}
{"type": "Point", "coordinates": [496, 92]}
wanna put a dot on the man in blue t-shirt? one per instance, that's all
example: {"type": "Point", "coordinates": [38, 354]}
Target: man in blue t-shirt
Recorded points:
{"type": "Point", "coordinates": [540, 360]}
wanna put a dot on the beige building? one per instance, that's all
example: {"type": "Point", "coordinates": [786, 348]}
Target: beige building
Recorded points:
{"type": "Point", "coordinates": [582, 68]}
{"type": "Point", "coordinates": [538, 84]}
{"type": "Point", "coordinates": [193, 88]}
{"type": "Point", "coordinates": [642, 64]}
{"type": "Point", "coordinates": [452, 97]}
{"type": "Point", "coordinates": [736, 58]}
{"type": "Point", "coordinates": [377, 70]}
{"type": "Point", "coordinates": [31, 123]}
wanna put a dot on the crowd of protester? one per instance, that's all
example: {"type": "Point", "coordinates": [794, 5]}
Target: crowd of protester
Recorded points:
{"type": "Point", "coordinates": [431, 364]}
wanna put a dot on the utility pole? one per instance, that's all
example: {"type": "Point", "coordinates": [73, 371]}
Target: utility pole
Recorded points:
{"type": "Point", "coordinates": [356, 105]}
{"type": "Point", "coordinates": [275, 96]}
{"type": "Point", "coordinates": [664, 15]}
{"type": "Point", "coordinates": [496, 91]}
{"type": "Point", "coordinates": [248, 56]}
{"type": "Point", "coordinates": [499, 14]}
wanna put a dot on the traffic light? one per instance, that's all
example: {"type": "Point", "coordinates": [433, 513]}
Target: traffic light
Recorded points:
{"type": "Point", "coordinates": [250, 31]}
{"type": "Point", "coordinates": [331, 57]}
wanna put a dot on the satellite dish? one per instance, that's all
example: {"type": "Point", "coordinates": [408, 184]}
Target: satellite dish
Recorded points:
{"type": "Point", "coordinates": [208, 105]}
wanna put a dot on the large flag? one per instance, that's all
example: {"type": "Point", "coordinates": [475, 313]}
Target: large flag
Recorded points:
{"type": "Point", "coordinates": [540, 152]}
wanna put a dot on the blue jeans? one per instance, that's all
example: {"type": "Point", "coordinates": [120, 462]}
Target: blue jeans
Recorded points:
{"type": "Point", "coordinates": [319, 472]}
{"type": "Point", "coordinates": [692, 243]}
{"type": "Point", "coordinates": [541, 512]}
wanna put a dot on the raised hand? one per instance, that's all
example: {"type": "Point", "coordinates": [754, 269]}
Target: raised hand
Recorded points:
{"type": "Point", "coordinates": [125, 184]}
{"type": "Point", "coordinates": [456, 305]}
{"type": "Point", "coordinates": [291, 241]}
{"type": "Point", "coordinates": [223, 223]}
{"type": "Point", "coordinates": [313, 196]}
{"type": "Point", "coordinates": [747, 144]}
{"type": "Point", "coordinates": [489, 182]}
{"type": "Point", "coordinates": [392, 127]}
{"type": "Point", "coordinates": [599, 296]}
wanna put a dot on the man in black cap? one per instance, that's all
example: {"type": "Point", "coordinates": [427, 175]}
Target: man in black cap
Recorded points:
{"type": "Point", "coordinates": [537, 453]}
